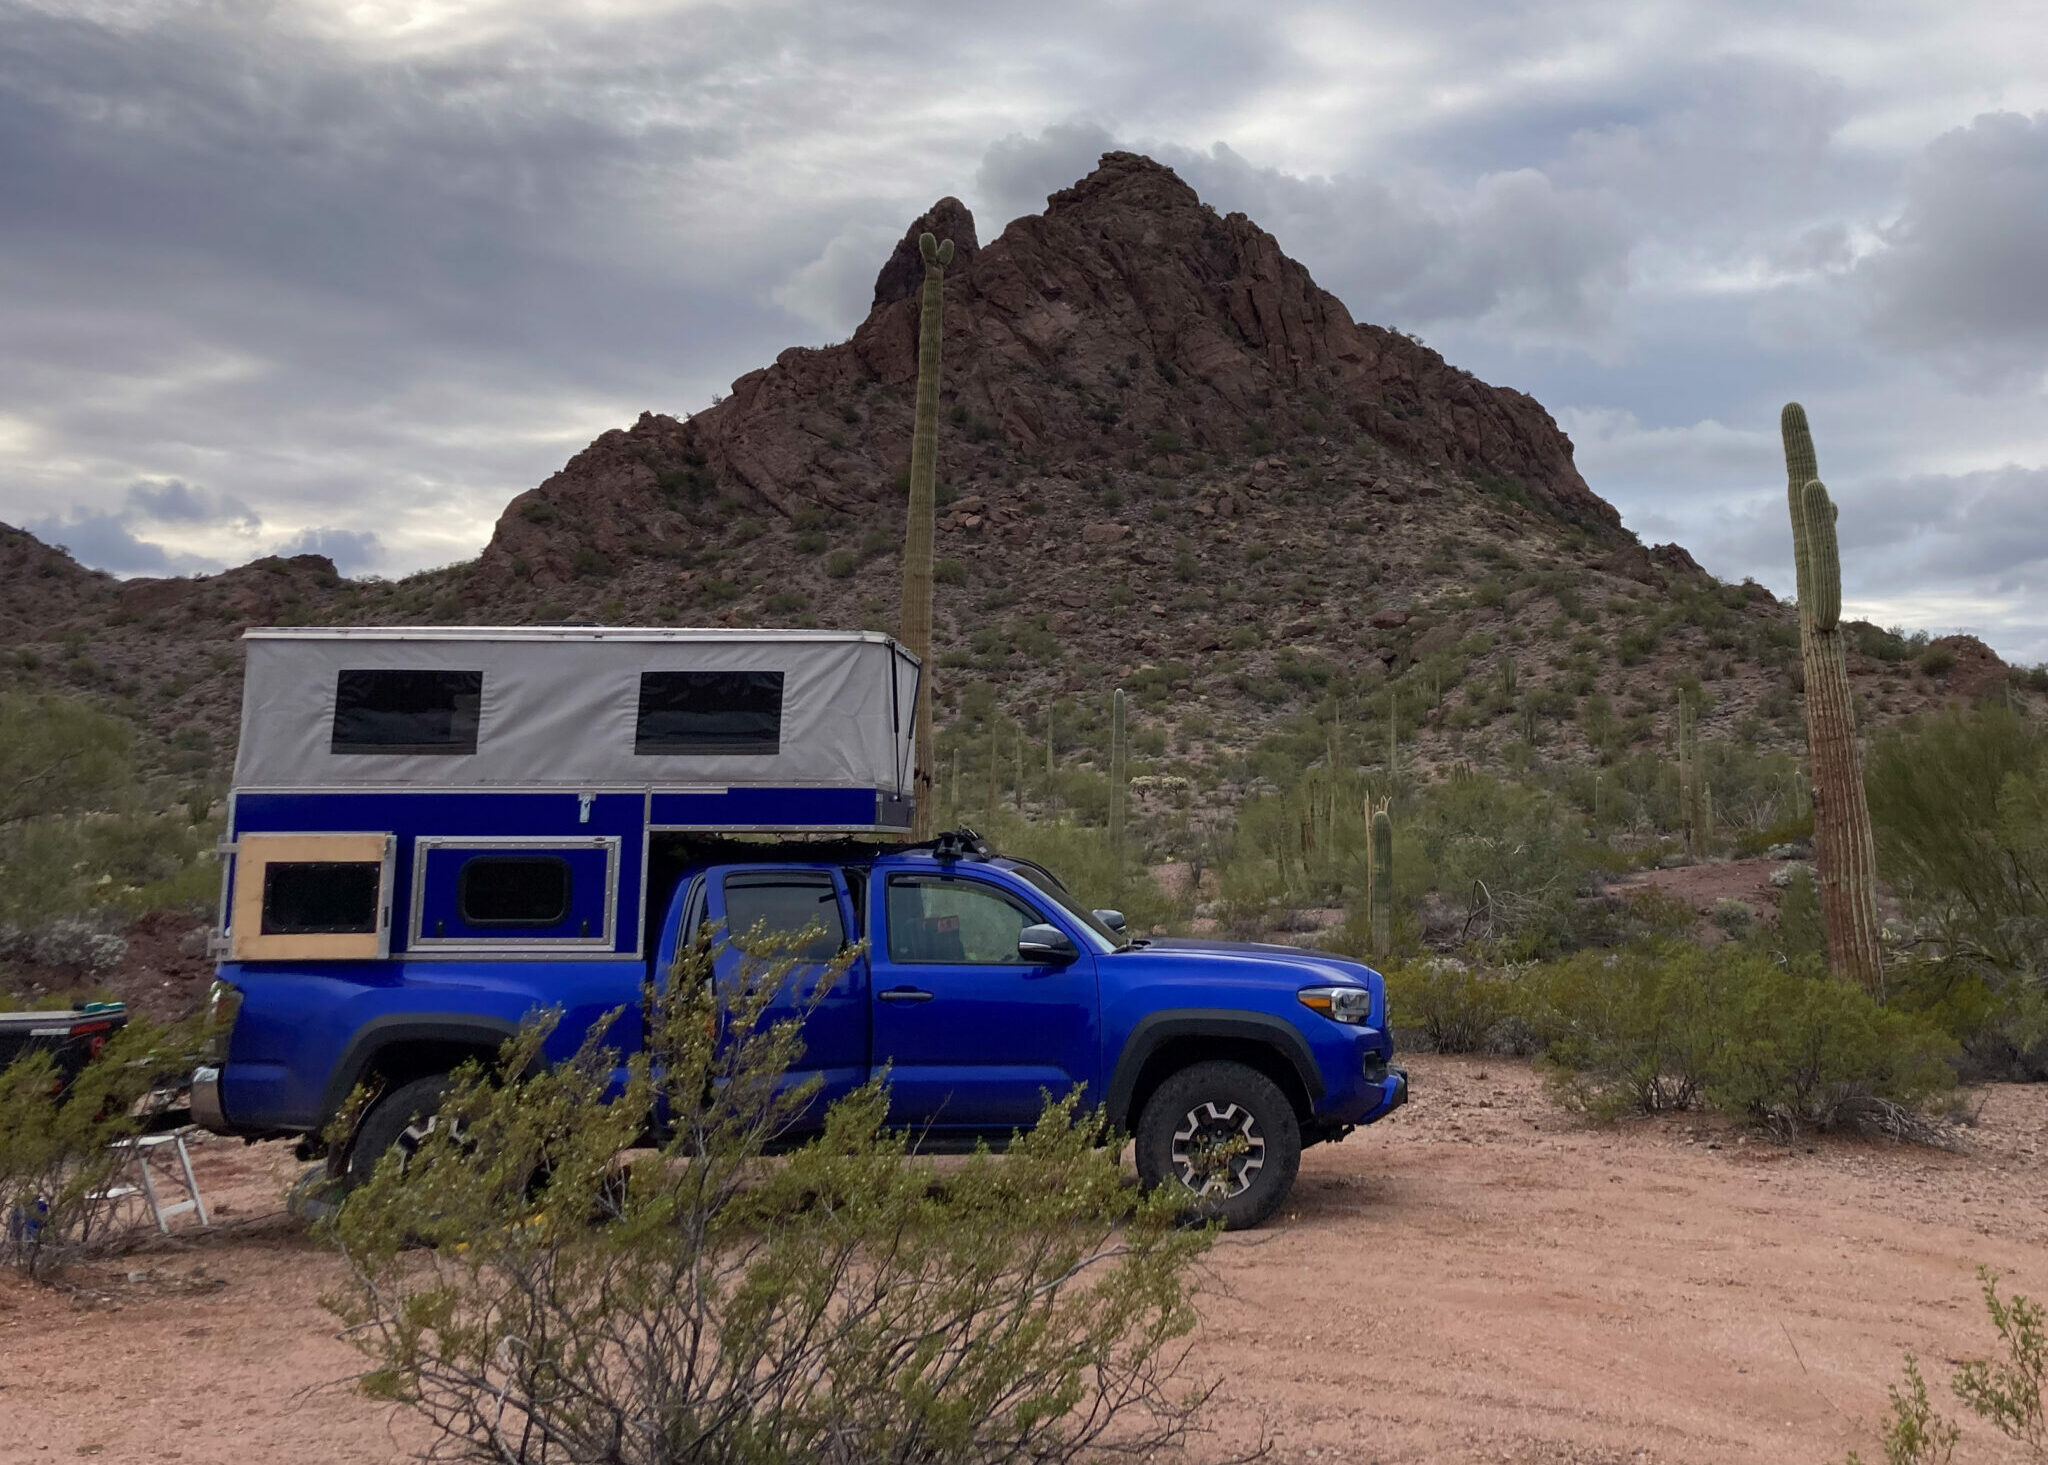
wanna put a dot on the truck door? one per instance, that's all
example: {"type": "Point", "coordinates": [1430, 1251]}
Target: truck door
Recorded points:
{"type": "Point", "coordinates": [974, 1035]}
{"type": "Point", "coordinates": [755, 902]}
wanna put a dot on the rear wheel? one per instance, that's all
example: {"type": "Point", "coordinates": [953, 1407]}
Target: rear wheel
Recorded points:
{"type": "Point", "coordinates": [401, 1120]}
{"type": "Point", "coordinates": [1226, 1136]}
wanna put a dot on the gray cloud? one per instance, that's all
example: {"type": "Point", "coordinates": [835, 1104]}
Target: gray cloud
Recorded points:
{"type": "Point", "coordinates": [173, 501]}
{"type": "Point", "coordinates": [119, 540]}
{"type": "Point", "coordinates": [353, 552]}
{"type": "Point", "coordinates": [1990, 526]}
{"type": "Point", "coordinates": [1509, 248]}
{"type": "Point", "coordinates": [1963, 272]}
{"type": "Point", "coordinates": [366, 280]}
{"type": "Point", "coordinates": [106, 542]}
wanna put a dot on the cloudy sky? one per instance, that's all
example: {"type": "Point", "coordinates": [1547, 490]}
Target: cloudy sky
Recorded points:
{"type": "Point", "coordinates": [347, 274]}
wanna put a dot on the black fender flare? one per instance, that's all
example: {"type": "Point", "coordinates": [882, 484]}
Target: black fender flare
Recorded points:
{"type": "Point", "coordinates": [380, 1033]}
{"type": "Point", "coordinates": [1158, 1028]}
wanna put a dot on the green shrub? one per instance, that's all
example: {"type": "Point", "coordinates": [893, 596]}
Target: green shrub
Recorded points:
{"type": "Point", "coordinates": [1959, 804]}
{"type": "Point", "coordinates": [1812, 1053]}
{"type": "Point", "coordinates": [1456, 1007]}
{"type": "Point", "coordinates": [841, 564]}
{"type": "Point", "coordinates": [1632, 1031]}
{"type": "Point", "coordinates": [949, 572]}
{"type": "Point", "coordinates": [1657, 1028]}
{"type": "Point", "coordinates": [847, 1302]}
{"type": "Point", "coordinates": [2010, 1393]}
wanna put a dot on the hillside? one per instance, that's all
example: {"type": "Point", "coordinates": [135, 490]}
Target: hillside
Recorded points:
{"type": "Point", "coordinates": [1169, 461]}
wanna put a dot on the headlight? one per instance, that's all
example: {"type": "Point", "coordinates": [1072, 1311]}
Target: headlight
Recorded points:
{"type": "Point", "coordinates": [1345, 1004]}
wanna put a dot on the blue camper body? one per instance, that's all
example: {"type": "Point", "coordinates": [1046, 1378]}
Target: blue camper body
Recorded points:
{"type": "Point", "coordinates": [435, 833]}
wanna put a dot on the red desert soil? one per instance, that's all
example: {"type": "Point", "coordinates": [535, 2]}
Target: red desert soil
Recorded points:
{"type": "Point", "coordinates": [1482, 1278]}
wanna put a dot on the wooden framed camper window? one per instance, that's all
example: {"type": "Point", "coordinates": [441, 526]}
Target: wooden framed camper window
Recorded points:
{"type": "Point", "coordinates": [311, 897]}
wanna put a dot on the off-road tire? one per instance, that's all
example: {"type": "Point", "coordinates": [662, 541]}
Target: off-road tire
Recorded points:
{"type": "Point", "coordinates": [399, 1119]}
{"type": "Point", "coordinates": [1205, 1102]}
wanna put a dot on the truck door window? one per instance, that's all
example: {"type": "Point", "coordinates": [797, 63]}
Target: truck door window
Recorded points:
{"type": "Point", "coordinates": [783, 905]}
{"type": "Point", "coordinates": [934, 919]}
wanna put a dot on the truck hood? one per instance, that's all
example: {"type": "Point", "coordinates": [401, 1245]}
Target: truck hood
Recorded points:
{"type": "Point", "coordinates": [1283, 965]}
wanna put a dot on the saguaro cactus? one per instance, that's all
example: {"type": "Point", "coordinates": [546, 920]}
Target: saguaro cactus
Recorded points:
{"type": "Point", "coordinates": [915, 621]}
{"type": "Point", "coordinates": [1381, 894]}
{"type": "Point", "coordinates": [1689, 776]}
{"type": "Point", "coordinates": [1845, 853]}
{"type": "Point", "coordinates": [1117, 781]}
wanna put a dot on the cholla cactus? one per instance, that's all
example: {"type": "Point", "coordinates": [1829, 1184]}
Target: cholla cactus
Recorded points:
{"type": "Point", "coordinates": [915, 622]}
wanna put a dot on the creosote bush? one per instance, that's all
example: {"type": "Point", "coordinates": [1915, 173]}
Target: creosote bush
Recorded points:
{"type": "Point", "coordinates": [1658, 1028]}
{"type": "Point", "coordinates": [1661, 1026]}
{"type": "Point", "coordinates": [586, 1293]}
{"type": "Point", "coordinates": [2009, 1393]}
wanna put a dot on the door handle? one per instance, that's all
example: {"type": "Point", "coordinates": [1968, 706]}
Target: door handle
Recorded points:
{"type": "Point", "coordinates": [905, 994]}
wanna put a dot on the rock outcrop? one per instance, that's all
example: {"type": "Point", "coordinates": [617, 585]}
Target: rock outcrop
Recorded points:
{"type": "Point", "coordinates": [1129, 317]}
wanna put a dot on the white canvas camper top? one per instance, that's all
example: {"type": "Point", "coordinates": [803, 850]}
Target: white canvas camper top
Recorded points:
{"type": "Point", "coordinates": [575, 707]}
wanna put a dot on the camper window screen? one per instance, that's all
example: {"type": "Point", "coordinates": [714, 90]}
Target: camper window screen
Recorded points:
{"type": "Point", "coordinates": [407, 711]}
{"type": "Point", "coordinates": [519, 890]}
{"type": "Point", "coordinates": [709, 712]}
{"type": "Point", "coordinates": [320, 898]}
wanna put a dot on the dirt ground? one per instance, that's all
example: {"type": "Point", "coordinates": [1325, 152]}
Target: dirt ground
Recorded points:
{"type": "Point", "coordinates": [1480, 1279]}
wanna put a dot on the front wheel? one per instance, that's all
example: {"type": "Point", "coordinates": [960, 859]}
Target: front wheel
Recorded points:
{"type": "Point", "coordinates": [1225, 1134]}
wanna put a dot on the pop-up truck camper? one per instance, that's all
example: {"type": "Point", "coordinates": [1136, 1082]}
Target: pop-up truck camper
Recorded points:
{"type": "Point", "coordinates": [435, 833]}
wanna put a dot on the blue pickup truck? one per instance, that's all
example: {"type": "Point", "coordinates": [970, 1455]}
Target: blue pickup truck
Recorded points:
{"type": "Point", "coordinates": [382, 927]}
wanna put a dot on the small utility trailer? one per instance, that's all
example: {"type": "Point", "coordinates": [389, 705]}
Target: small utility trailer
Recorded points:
{"type": "Point", "coordinates": [72, 1037]}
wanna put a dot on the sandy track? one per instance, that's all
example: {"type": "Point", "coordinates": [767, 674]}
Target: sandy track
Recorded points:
{"type": "Point", "coordinates": [1480, 1279]}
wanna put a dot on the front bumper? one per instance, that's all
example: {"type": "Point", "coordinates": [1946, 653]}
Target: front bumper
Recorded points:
{"type": "Point", "coordinates": [207, 1112]}
{"type": "Point", "coordinates": [1393, 1093]}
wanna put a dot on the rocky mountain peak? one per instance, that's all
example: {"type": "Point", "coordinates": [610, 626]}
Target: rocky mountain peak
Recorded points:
{"type": "Point", "coordinates": [1128, 321]}
{"type": "Point", "coordinates": [903, 274]}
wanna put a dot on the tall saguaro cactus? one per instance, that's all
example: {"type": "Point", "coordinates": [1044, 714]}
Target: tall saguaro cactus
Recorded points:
{"type": "Point", "coordinates": [1382, 887]}
{"type": "Point", "coordinates": [915, 621]}
{"type": "Point", "coordinates": [1689, 776]}
{"type": "Point", "coordinates": [1845, 853]}
{"type": "Point", "coordinates": [1117, 781]}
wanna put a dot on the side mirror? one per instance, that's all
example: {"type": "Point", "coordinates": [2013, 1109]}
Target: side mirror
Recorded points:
{"type": "Point", "coordinates": [1045, 945]}
{"type": "Point", "coordinates": [1112, 919]}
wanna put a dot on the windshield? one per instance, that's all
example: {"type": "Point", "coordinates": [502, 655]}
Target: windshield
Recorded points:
{"type": "Point", "coordinates": [1104, 939]}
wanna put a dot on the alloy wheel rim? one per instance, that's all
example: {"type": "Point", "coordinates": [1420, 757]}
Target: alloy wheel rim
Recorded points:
{"type": "Point", "coordinates": [1218, 1150]}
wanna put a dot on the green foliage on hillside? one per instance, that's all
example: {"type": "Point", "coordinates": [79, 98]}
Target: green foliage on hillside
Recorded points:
{"type": "Point", "coordinates": [83, 830]}
{"type": "Point", "coordinates": [1960, 805]}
